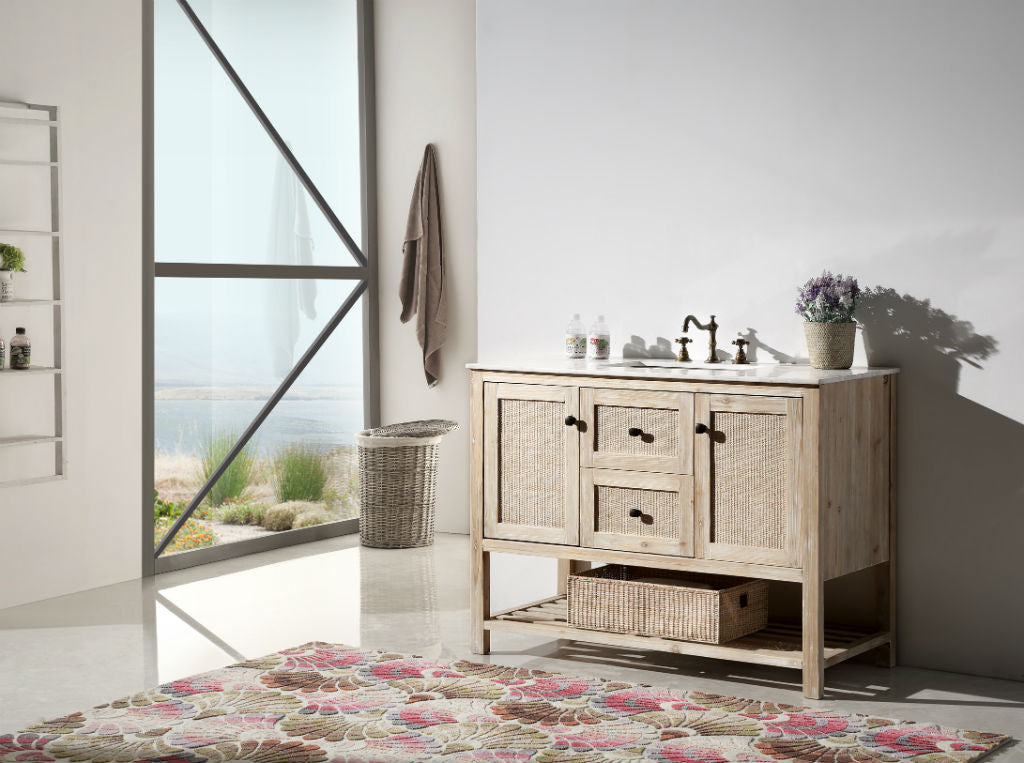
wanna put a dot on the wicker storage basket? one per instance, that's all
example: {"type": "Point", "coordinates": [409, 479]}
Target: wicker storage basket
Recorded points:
{"type": "Point", "coordinates": [830, 345]}
{"type": "Point", "coordinates": [397, 483]}
{"type": "Point", "coordinates": [689, 606]}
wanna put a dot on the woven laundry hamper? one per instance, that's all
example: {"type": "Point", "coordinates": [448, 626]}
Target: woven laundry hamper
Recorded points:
{"type": "Point", "coordinates": [398, 481]}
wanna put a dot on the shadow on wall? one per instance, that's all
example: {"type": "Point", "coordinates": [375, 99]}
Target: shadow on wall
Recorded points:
{"type": "Point", "coordinates": [960, 502]}
{"type": "Point", "coordinates": [754, 345]}
{"type": "Point", "coordinates": [637, 347]}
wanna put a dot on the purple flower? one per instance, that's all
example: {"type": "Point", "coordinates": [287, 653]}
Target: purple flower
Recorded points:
{"type": "Point", "coordinates": [828, 298]}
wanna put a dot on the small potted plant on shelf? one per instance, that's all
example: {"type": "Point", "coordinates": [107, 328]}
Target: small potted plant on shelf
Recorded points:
{"type": "Point", "coordinates": [827, 304]}
{"type": "Point", "coordinates": [12, 260]}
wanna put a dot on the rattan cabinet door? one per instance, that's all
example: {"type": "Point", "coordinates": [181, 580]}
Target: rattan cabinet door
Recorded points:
{"type": "Point", "coordinates": [531, 463]}
{"type": "Point", "coordinates": [745, 478]}
{"type": "Point", "coordinates": [638, 430]}
{"type": "Point", "coordinates": [633, 511]}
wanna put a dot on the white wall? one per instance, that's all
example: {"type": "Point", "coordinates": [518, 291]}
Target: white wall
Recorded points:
{"type": "Point", "coordinates": [84, 532]}
{"type": "Point", "coordinates": [425, 94]}
{"type": "Point", "coordinates": [648, 158]}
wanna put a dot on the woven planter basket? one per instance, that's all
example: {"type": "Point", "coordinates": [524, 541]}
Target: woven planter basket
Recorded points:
{"type": "Point", "coordinates": [830, 345]}
{"type": "Point", "coordinates": [398, 483]}
{"type": "Point", "coordinates": [712, 609]}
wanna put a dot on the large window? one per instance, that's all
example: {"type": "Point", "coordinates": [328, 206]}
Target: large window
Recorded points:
{"type": "Point", "coordinates": [264, 294]}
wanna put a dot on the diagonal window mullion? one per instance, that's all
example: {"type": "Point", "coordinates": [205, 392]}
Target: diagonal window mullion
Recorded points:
{"type": "Point", "coordinates": [265, 411]}
{"type": "Point", "coordinates": [274, 135]}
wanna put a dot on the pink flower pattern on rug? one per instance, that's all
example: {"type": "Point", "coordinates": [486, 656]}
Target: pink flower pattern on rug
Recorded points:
{"type": "Point", "coordinates": [326, 703]}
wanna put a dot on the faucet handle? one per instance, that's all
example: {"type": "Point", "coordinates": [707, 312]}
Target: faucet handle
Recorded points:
{"type": "Point", "coordinates": [741, 353]}
{"type": "Point", "coordinates": [684, 354]}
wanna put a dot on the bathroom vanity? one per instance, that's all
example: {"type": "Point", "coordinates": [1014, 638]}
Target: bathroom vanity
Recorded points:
{"type": "Point", "coordinates": [783, 473]}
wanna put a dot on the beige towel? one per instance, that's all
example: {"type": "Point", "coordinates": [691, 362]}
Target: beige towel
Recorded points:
{"type": "Point", "coordinates": [422, 286]}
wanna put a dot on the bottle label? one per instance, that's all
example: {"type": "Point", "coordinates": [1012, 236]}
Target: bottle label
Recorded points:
{"type": "Point", "coordinates": [575, 346]}
{"type": "Point", "coordinates": [20, 356]}
{"type": "Point", "coordinates": [600, 345]}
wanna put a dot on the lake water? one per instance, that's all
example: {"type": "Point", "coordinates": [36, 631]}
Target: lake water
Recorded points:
{"type": "Point", "coordinates": [183, 426]}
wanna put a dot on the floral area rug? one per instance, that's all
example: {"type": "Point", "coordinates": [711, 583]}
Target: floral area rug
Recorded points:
{"type": "Point", "coordinates": [326, 702]}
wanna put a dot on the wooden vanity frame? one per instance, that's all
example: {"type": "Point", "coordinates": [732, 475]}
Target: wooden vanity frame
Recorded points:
{"type": "Point", "coordinates": [844, 483]}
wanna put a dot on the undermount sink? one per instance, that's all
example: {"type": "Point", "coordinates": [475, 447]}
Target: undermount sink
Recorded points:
{"type": "Point", "coordinates": [691, 366]}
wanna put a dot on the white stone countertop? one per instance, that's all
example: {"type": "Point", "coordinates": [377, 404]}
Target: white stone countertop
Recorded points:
{"type": "Point", "coordinates": [644, 368]}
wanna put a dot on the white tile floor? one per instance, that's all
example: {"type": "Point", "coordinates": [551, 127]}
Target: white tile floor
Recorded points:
{"type": "Point", "coordinates": [65, 654]}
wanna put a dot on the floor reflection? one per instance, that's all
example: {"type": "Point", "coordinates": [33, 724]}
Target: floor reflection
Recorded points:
{"type": "Point", "coordinates": [399, 607]}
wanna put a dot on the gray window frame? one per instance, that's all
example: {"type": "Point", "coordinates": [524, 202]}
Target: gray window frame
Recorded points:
{"type": "Point", "coordinates": [363, 274]}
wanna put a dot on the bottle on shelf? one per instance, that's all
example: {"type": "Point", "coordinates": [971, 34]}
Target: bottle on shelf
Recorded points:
{"type": "Point", "coordinates": [21, 349]}
{"type": "Point", "coordinates": [3, 352]}
{"type": "Point", "coordinates": [599, 341]}
{"type": "Point", "coordinates": [575, 338]}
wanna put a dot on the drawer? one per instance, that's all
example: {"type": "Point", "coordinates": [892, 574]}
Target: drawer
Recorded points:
{"type": "Point", "coordinates": [633, 511]}
{"type": "Point", "coordinates": [644, 431]}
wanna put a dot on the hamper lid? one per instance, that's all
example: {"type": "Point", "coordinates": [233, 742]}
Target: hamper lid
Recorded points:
{"type": "Point", "coordinates": [421, 432]}
{"type": "Point", "coordinates": [420, 428]}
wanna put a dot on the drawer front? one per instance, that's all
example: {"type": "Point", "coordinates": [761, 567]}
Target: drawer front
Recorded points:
{"type": "Point", "coordinates": [643, 431]}
{"type": "Point", "coordinates": [631, 511]}
{"type": "Point", "coordinates": [531, 459]}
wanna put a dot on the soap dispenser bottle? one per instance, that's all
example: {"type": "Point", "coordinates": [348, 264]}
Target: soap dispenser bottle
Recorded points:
{"type": "Point", "coordinates": [599, 341]}
{"type": "Point", "coordinates": [575, 338]}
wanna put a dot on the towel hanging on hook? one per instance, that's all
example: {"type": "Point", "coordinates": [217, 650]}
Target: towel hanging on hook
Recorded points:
{"type": "Point", "coordinates": [422, 286]}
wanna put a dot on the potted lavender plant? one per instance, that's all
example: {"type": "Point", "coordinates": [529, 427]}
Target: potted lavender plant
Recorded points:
{"type": "Point", "coordinates": [12, 260]}
{"type": "Point", "coordinates": [827, 304]}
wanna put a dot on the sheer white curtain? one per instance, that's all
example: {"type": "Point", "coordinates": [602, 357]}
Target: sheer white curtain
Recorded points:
{"type": "Point", "coordinates": [291, 243]}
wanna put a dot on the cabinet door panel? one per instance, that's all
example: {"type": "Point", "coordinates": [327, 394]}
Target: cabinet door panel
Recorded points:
{"type": "Point", "coordinates": [631, 511]}
{"type": "Point", "coordinates": [531, 463]}
{"type": "Point", "coordinates": [661, 424]}
{"type": "Point", "coordinates": [745, 468]}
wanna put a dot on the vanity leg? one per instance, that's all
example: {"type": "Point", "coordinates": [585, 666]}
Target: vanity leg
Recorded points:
{"type": "Point", "coordinates": [814, 637]}
{"type": "Point", "coordinates": [888, 571]}
{"type": "Point", "coordinates": [479, 560]}
{"type": "Point", "coordinates": [885, 656]}
{"type": "Point", "coordinates": [479, 599]}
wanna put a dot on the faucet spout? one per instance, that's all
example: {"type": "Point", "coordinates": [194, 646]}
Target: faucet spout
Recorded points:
{"type": "Point", "coordinates": [712, 328]}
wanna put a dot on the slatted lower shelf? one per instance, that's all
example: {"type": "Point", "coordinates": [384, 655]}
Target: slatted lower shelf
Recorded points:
{"type": "Point", "coordinates": [779, 644]}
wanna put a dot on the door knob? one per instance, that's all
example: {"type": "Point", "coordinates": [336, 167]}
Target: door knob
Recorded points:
{"type": "Point", "coordinates": [702, 428]}
{"type": "Point", "coordinates": [635, 431]}
{"type": "Point", "coordinates": [570, 421]}
{"type": "Point", "coordinates": [635, 513]}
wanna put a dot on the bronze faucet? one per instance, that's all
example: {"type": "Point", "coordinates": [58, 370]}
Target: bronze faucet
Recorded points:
{"type": "Point", "coordinates": [711, 328]}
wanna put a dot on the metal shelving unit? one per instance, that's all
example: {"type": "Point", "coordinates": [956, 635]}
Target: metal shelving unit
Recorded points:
{"type": "Point", "coordinates": [29, 115]}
